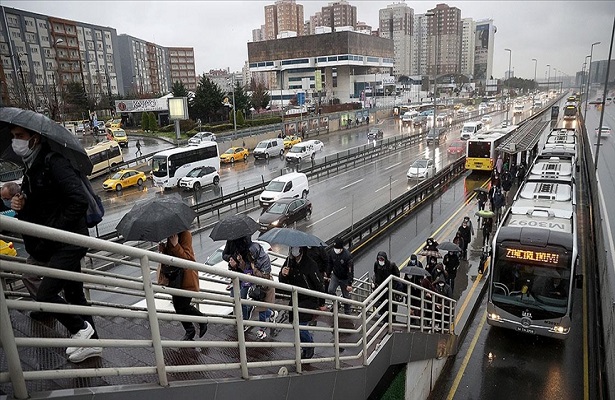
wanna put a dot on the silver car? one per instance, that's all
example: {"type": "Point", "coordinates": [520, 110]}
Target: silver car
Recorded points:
{"type": "Point", "coordinates": [202, 137]}
{"type": "Point", "coordinates": [421, 169]}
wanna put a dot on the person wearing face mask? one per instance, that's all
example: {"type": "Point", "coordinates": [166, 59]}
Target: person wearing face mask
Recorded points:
{"type": "Point", "coordinates": [466, 230]}
{"type": "Point", "coordinates": [441, 287]}
{"type": "Point", "coordinates": [53, 195]}
{"type": "Point", "coordinates": [340, 270]}
{"type": "Point", "coordinates": [300, 270]}
{"type": "Point", "coordinates": [383, 268]}
{"type": "Point", "coordinates": [451, 262]}
{"type": "Point", "coordinates": [8, 191]}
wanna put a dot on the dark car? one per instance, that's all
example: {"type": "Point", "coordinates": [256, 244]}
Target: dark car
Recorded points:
{"type": "Point", "coordinates": [375, 133]}
{"type": "Point", "coordinates": [285, 212]}
{"type": "Point", "coordinates": [419, 122]}
{"type": "Point", "coordinates": [436, 134]}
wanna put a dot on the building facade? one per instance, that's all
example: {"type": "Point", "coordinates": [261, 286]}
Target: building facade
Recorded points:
{"type": "Point", "coordinates": [181, 61]}
{"type": "Point", "coordinates": [468, 40]}
{"type": "Point", "coordinates": [396, 23]}
{"type": "Point", "coordinates": [339, 14]}
{"type": "Point", "coordinates": [444, 30]}
{"type": "Point", "coordinates": [283, 16]}
{"type": "Point", "coordinates": [483, 50]}
{"type": "Point", "coordinates": [145, 67]}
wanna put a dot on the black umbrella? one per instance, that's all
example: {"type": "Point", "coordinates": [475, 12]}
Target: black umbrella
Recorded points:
{"type": "Point", "coordinates": [414, 271]}
{"type": "Point", "coordinates": [156, 219]}
{"type": "Point", "coordinates": [481, 189]}
{"type": "Point", "coordinates": [291, 237]}
{"type": "Point", "coordinates": [234, 227]}
{"type": "Point", "coordinates": [448, 246]}
{"type": "Point", "coordinates": [59, 138]}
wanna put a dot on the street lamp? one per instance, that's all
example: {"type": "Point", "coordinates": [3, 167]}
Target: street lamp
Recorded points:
{"type": "Point", "coordinates": [234, 111]}
{"type": "Point", "coordinates": [53, 78]}
{"type": "Point", "coordinates": [589, 82]}
{"type": "Point", "coordinates": [435, 81]}
{"type": "Point", "coordinates": [549, 80]}
{"type": "Point", "coordinates": [535, 67]}
{"type": "Point", "coordinates": [508, 81]}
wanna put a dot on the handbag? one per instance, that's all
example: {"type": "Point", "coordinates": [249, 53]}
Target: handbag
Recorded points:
{"type": "Point", "coordinates": [257, 292]}
{"type": "Point", "coordinates": [175, 275]}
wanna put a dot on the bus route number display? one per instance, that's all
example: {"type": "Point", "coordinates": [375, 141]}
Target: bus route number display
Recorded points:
{"type": "Point", "coordinates": [542, 257]}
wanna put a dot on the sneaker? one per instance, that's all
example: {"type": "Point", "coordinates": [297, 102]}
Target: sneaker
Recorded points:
{"type": "Point", "coordinates": [260, 335]}
{"type": "Point", "coordinates": [273, 317]}
{"type": "Point", "coordinates": [84, 333]}
{"type": "Point", "coordinates": [83, 353]}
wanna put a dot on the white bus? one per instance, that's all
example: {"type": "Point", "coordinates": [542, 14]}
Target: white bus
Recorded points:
{"type": "Point", "coordinates": [105, 156]}
{"type": "Point", "coordinates": [169, 166]}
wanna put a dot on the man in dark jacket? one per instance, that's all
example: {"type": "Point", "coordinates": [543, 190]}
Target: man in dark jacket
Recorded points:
{"type": "Point", "coordinates": [300, 270]}
{"type": "Point", "coordinates": [466, 231]}
{"type": "Point", "coordinates": [340, 270]}
{"type": "Point", "coordinates": [53, 195]}
{"type": "Point", "coordinates": [451, 262]}
{"type": "Point", "coordinates": [383, 268]}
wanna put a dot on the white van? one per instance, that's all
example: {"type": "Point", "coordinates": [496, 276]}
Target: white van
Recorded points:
{"type": "Point", "coordinates": [408, 117]}
{"type": "Point", "coordinates": [292, 185]}
{"type": "Point", "coordinates": [470, 128]}
{"type": "Point", "coordinates": [300, 152]}
{"type": "Point", "coordinates": [269, 148]}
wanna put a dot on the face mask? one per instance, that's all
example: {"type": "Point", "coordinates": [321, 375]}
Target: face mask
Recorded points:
{"type": "Point", "coordinates": [21, 147]}
{"type": "Point", "coordinates": [7, 203]}
{"type": "Point", "coordinates": [337, 251]}
{"type": "Point", "coordinates": [412, 262]}
{"type": "Point", "coordinates": [441, 284]}
{"type": "Point", "coordinates": [381, 263]}
{"type": "Point", "coordinates": [294, 251]}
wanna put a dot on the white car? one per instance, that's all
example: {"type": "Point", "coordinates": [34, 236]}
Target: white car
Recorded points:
{"type": "Point", "coordinates": [604, 131]}
{"type": "Point", "coordinates": [202, 137]}
{"type": "Point", "coordinates": [318, 145]}
{"type": "Point", "coordinates": [421, 169]}
{"type": "Point", "coordinates": [198, 177]}
{"type": "Point", "coordinates": [486, 120]}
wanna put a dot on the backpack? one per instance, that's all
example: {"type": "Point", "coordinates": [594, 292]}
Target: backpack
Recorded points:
{"type": "Point", "coordinates": [95, 211]}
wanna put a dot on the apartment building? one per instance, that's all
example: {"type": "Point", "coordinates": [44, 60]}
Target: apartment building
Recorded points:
{"type": "Point", "coordinates": [396, 23]}
{"type": "Point", "coordinates": [181, 60]}
{"type": "Point", "coordinates": [283, 16]}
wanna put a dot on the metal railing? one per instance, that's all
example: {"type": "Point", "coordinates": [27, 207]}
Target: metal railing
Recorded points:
{"type": "Point", "coordinates": [418, 309]}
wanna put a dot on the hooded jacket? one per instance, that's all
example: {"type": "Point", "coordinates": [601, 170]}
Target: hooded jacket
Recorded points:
{"type": "Point", "coordinates": [382, 272]}
{"type": "Point", "coordinates": [341, 265]}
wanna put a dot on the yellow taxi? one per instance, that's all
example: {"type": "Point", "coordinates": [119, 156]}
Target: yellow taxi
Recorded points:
{"type": "Point", "coordinates": [290, 141]}
{"type": "Point", "coordinates": [119, 135]}
{"type": "Point", "coordinates": [123, 179]}
{"type": "Point", "coordinates": [114, 123]}
{"type": "Point", "coordinates": [7, 249]}
{"type": "Point", "coordinates": [234, 154]}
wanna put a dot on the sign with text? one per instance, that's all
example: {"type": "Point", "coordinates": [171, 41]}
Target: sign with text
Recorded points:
{"type": "Point", "coordinates": [141, 105]}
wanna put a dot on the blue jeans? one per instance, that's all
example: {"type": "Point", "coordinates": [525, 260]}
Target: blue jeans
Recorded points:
{"type": "Point", "coordinates": [305, 336]}
{"type": "Point", "coordinates": [245, 309]}
{"type": "Point", "coordinates": [265, 315]}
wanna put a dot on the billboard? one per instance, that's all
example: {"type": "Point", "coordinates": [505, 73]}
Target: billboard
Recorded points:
{"type": "Point", "coordinates": [481, 50]}
{"type": "Point", "coordinates": [141, 105]}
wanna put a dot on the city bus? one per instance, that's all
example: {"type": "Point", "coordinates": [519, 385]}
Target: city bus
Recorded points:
{"type": "Point", "coordinates": [534, 253]}
{"type": "Point", "coordinates": [105, 156]}
{"type": "Point", "coordinates": [169, 166]}
{"type": "Point", "coordinates": [570, 111]}
{"type": "Point", "coordinates": [481, 148]}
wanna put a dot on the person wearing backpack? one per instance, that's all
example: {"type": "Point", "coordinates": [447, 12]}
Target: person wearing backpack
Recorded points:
{"type": "Point", "coordinates": [53, 195]}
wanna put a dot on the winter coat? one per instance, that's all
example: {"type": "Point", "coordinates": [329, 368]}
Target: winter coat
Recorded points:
{"type": "Point", "coordinates": [341, 265]}
{"type": "Point", "coordinates": [466, 234]}
{"type": "Point", "coordinates": [382, 272]}
{"type": "Point", "coordinates": [303, 274]}
{"type": "Point", "coordinates": [55, 198]}
{"type": "Point", "coordinates": [451, 262]}
{"type": "Point", "coordinates": [183, 250]}
{"type": "Point", "coordinates": [507, 181]}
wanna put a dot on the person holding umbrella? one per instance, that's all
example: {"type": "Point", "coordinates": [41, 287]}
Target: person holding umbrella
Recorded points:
{"type": "Point", "coordinates": [52, 195]}
{"type": "Point", "coordinates": [451, 262]}
{"type": "Point", "coordinates": [180, 245]}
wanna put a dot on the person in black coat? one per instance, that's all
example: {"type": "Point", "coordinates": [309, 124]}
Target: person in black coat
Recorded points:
{"type": "Point", "coordinates": [300, 270]}
{"type": "Point", "coordinates": [383, 268]}
{"type": "Point", "coordinates": [53, 195]}
{"type": "Point", "coordinates": [340, 271]}
{"type": "Point", "coordinates": [451, 262]}
{"type": "Point", "coordinates": [466, 232]}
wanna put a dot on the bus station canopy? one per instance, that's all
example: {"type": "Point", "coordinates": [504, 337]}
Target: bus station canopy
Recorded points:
{"type": "Point", "coordinates": [525, 138]}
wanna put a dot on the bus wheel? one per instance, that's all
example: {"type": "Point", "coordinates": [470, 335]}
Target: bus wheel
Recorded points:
{"type": "Point", "coordinates": [118, 187]}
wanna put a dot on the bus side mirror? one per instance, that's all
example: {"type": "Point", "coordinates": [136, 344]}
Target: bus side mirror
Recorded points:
{"type": "Point", "coordinates": [579, 281]}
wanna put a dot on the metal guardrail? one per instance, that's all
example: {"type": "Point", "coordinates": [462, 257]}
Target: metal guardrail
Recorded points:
{"type": "Point", "coordinates": [420, 310]}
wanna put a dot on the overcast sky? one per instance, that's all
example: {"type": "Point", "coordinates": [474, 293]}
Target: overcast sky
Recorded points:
{"type": "Point", "coordinates": [559, 33]}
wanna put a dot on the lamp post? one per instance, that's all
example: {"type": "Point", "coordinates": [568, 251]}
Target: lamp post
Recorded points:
{"type": "Point", "coordinates": [534, 96]}
{"type": "Point", "coordinates": [548, 80]}
{"type": "Point", "coordinates": [589, 75]}
{"type": "Point", "coordinates": [53, 77]}
{"type": "Point", "coordinates": [234, 111]}
{"type": "Point", "coordinates": [508, 82]}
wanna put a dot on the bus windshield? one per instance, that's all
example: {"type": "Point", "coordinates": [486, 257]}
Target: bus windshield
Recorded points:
{"type": "Point", "coordinates": [538, 278]}
{"type": "Point", "coordinates": [159, 166]}
{"type": "Point", "coordinates": [479, 150]}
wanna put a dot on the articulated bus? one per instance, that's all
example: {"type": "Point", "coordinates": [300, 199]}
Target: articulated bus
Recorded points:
{"type": "Point", "coordinates": [534, 251]}
{"type": "Point", "coordinates": [480, 150]}
{"type": "Point", "coordinates": [105, 156]}
{"type": "Point", "coordinates": [169, 166]}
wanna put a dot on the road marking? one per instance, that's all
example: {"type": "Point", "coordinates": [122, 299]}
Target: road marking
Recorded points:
{"type": "Point", "coordinates": [351, 184]}
{"type": "Point", "coordinates": [466, 359]}
{"type": "Point", "coordinates": [325, 217]}
{"type": "Point", "coordinates": [385, 186]}
{"type": "Point", "coordinates": [392, 166]}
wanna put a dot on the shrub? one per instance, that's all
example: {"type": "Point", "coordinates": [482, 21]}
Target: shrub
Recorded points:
{"type": "Point", "coordinates": [144, 122]}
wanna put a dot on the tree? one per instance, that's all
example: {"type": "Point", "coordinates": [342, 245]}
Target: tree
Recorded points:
{"type": "Point", "coordinates": [179, 90]}
{"type": "Point", "coordinates": [242, 100]}
{"type": "Point", "coordinates": [207, 103]}
{"type": "Point", "coordinates": [144, 122]}
{"type": "Point", "coordinates": [260, 96]}
{"type": "Point", "coordinates": [75, 99]}
{"type": "Point", "coordinates": [153, 122]}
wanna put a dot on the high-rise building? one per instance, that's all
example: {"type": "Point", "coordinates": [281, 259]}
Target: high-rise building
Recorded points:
{"type": "Point", "coordinates": [181, 60]}
{"type": "Point", "coordinates": [339, 14]}
{"type": "Point", "coordinates": [396, 23]}
{"type": "Point", "coordinates": [283, 16]}
{"type": "Point", "coordinates": [145, 66]}
{"type": "Point", "coordinates": [468, 40]}
{"type": "Point", "coordinates": [483, 49]}
{"type": "Point", "coordinates": [41, 55]}
{"type": "Point", "coordinates": [444, 32]}
{"type": "Point", "coordinates": [420, 46]}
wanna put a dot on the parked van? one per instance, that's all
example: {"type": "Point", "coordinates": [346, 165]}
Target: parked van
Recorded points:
{"type": "Point", "coordinates": [118, 135]}
{"type": "Point", "coordinates": [294, 184]}
{"type": "Point", "coordinates": [300, 152]}
{"type": "Point", "coordinates": [268, 148]}
{"type": "Point", "coordinates": [470, 128]}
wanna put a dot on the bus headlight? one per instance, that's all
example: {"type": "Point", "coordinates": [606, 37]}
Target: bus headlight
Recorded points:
{"type": "Point", "coordinates": [494, 317]}
{"type": "Point", "coordinates": [560, 329]}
